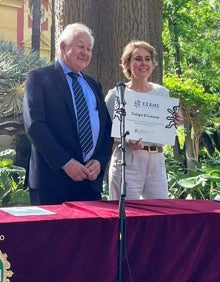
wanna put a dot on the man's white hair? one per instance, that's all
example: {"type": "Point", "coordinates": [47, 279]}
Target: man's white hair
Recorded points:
{"type": "Point", "coordinates": [68, 32]}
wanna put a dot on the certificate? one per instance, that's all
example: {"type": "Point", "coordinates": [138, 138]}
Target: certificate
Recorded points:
{"type": "Point", "coordinates": [149, 117]}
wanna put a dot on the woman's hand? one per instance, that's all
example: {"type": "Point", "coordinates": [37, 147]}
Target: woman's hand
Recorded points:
{"type": "Point", "coordinates": [179, 118]}
{"type": "Point", "coordinates": [135, 144]}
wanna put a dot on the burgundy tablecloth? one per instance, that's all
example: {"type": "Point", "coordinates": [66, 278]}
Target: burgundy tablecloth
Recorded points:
{"type": "Point", "coordinates": [166, 241]}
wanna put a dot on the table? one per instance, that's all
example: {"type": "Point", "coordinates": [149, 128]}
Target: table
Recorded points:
{"type": "Point", "coordinates": [166, 241]}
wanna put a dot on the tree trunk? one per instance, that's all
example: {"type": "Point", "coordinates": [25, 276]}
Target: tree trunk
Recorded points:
{"type": "Point", "coordinates": [176, 149]}
{"type": "Point", "coordinates": [114, 24]}
{"type": "Point", "coordinates": [36, 26]}
{"type": "Point", "coordinates": [189, 146]}
{"type": "Point", "coordinates": [52, 44]}
{"type": "Point", "coordinates": [174, 34]}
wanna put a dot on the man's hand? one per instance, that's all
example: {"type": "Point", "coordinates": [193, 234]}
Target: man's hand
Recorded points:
{"type": "Point", "coordinates": [94, 168]}
{"type": "Point", "coordinates": [77, 171]}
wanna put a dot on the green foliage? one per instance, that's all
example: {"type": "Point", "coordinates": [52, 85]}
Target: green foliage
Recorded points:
{"type": "Point", "coordinates": [198, 107]}
{"type": "Point", "coordinates": [14, 66]}
{"type": "Point", "coordinates": [191, 65]}
{"type": "Point", "coordinates": [15, 62]}
{"type": "Point", "coordinates": [190, 37]}
{"type": "Point", "coordinates": [105, 193]}
{"type": "Point", "coordinates": [202, 183]}
{"type": "Point", "coordinates": [12, 192]}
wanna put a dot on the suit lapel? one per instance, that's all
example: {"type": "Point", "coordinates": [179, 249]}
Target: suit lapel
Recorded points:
{"type": "Point", "coordinates": [63, 88]}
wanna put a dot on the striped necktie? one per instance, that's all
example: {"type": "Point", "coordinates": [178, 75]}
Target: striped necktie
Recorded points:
{"type": "Point", "coordinates": [83, 118]}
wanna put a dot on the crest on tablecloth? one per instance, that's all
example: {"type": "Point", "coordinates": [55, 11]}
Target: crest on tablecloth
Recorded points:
{"type": "Point", "coordinates": [5, 265]}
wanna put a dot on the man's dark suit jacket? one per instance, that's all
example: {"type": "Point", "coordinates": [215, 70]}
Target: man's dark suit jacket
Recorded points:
{"type": "Point", "coordinates": [51, 126]}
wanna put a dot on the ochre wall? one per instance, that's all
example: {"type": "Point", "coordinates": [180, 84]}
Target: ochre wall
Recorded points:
{"type": "Point", "coordinates": [16, 24]}
{"type": "Point", "coordinates": [8, 22]}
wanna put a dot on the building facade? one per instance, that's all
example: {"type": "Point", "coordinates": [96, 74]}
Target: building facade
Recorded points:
{"type": "Point", "coordinates": [16, 24]}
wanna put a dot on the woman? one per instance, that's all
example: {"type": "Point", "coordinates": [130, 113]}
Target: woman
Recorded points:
{"type": "Point", "coordinates": [145, 172]}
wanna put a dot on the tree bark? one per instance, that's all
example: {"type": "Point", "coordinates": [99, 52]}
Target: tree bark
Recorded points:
{"type": "Point", "coordinates": [52, 31]}
{"type": "Point", "coordinates": [114, 24]}
{"type": "Point", "coordinates": [36, 26]}
{"type": "Point", "coordinates": [189, 146]}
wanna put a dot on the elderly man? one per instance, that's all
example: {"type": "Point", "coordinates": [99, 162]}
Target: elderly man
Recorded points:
{"type": "Point", "coordinates": [68, 124]}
